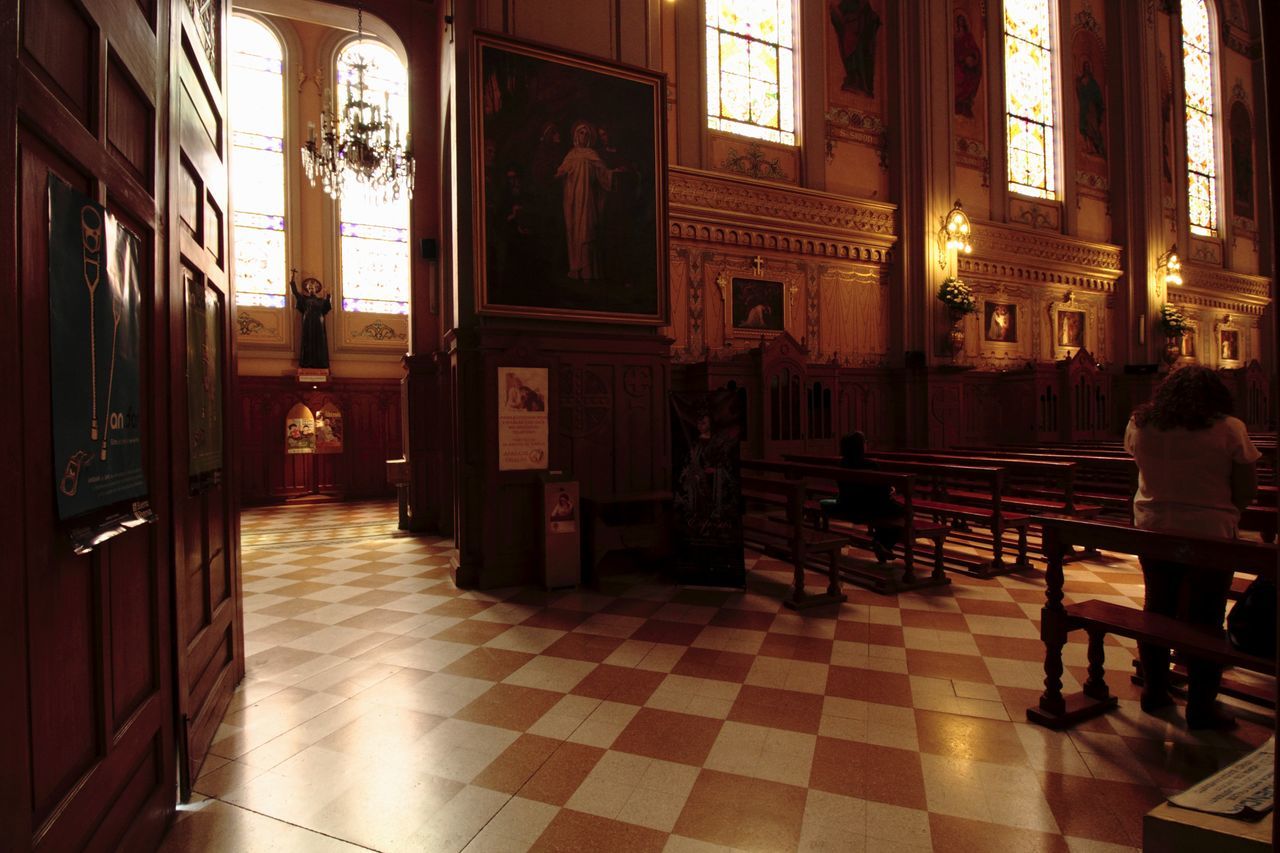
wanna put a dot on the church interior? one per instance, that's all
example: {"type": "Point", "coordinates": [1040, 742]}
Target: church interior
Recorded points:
{"type": "Point", "coordinates": [449, 425]}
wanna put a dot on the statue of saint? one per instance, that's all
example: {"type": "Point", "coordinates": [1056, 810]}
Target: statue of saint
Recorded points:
{"type": "Point", "coordinates": [312, 306]}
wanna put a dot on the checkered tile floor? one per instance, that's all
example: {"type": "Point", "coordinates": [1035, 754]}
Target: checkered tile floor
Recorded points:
{"type": "Point", "coordinates": [386, 709]}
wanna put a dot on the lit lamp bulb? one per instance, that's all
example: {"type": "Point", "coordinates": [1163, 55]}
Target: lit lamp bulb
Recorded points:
{"type": "Point", "coordinates": [1172, 267]}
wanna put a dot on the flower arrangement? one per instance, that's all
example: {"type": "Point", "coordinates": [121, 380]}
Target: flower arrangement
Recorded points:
{"type": "Point", "coordinates": [957, 296]}
{"type": "Point", "coordinates": [1173, 322]}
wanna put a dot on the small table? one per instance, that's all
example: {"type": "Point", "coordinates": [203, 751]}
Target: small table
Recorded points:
{"type": "Point", "coordinates": [398, 476]}
{"type": "Point", "coordinates": [637, 520]}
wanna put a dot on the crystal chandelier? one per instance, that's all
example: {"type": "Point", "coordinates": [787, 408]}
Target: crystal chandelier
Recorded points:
{"type": "Point", "coordinates": [363, 142]}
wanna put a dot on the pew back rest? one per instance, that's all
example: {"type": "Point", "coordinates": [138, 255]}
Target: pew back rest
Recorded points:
{"type": "Point", "coordinates": [1228, 555]}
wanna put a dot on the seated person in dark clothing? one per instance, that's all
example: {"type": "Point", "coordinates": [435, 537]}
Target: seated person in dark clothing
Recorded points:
{"type": "Point", "coordinates": [866, 503]}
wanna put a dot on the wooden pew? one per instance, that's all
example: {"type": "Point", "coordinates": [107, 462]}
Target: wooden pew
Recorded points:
{"type": "Point", "coordinates": [1112, 482]}
{"type": "Point", "coordinates": [1033, 485]}
{"type": "Point", "coordinates": [939, 479]}
{"type": "Point", "coordinates": [790, 539]}
{"type": "Point", "coordinates": [1099, 618]}
{"type": "Point", "coordinates": [822, 480]}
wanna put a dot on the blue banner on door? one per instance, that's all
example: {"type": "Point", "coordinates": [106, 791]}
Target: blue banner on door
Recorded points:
{"type": "Point", "coordinates": [95, 381]}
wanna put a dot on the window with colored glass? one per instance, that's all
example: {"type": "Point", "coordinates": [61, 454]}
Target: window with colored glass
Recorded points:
{"type": "Point", "coordinates": [1030, 106]}
{"type": "Point", "coordinates": [373, 232]}
{"type": "Point", "coordinates": [256, 100]}
{"type": "Point", "coordinates": [751, 69]}
{"type": "Point", "coordinates": [1202, 152]}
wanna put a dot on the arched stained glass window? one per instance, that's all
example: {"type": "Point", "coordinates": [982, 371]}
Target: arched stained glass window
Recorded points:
{"type": "Point", "coordinates": [1030, 106]}
{"type": "Point", "coordinates": [751, 69]}
{"type": "Point", "coordinates": [256, 100]}
{"type": "Point", "coordinates": [373, 233]}
{"type": "Point", "coordinates": [1202, 152]}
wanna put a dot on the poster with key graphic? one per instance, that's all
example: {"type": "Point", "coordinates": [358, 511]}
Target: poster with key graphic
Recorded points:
{"type": "Point", "coordinates": [95, 381]}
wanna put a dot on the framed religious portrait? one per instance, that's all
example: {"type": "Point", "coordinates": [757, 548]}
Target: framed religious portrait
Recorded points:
{"type": "Point", "coordinates": [1000, 322]}
{"type": "Point", "coordinates": [1069, 329]}
{"type": "Point", "coordinates": [1187, 344]}
{"type": "Point", "coordinates": [756, 307]}
{"type": "Point", "coordinates": [570, 189]}
{"type": "Point", "coordinates": [1228, 346]}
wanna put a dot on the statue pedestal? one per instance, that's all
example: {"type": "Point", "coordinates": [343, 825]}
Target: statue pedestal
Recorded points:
{"type": "Point", "coordinates": [313, 374]}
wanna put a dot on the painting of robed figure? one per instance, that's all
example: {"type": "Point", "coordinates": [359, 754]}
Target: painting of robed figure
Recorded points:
{"type": "Point", "coordinates": [570, 167]}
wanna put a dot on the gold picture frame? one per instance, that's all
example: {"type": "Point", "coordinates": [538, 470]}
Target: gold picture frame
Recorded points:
{"type": "Point", "coordinates": [570, 185]}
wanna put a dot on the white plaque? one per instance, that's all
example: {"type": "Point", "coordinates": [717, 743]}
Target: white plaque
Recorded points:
{"type": "Point", "coordinates": [522, 418]}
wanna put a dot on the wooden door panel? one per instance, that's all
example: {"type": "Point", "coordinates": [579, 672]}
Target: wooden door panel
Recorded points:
{"type": "Point", "coordinates": [99, 717]}
{"type": "Point", "coordinates": [210, 661]}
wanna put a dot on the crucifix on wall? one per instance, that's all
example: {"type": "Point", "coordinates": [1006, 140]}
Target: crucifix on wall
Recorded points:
{"type": "Point", "coordinates": [757, 265]}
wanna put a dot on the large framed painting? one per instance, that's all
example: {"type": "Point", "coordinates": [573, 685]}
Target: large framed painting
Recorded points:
{"type": "Point", "coordinates": [570, 182]}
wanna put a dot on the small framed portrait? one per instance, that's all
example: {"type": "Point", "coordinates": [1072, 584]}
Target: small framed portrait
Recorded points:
{"type": "Point", "coordinates": [1229, 345]}
{"type": "Point", "coordinates": [1187, 344]}
{"type": "Point", "coordinates": [756, 306]}
{"type": "Point", "coordinates": [1000, 322]}
{"type": "Point", "coordinates": [1070, 329]}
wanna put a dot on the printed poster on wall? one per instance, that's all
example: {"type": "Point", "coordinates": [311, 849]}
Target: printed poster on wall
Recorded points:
{"type": "Point", "coordinates": [204, 376]}
{"type": "Point", "coordinates": [522, 418]}
{"type": "Point", "coordinates": [94, 324]}
{"type": "Point", "coordinates": [329, 429]}
{"type": "Point", "coordinates": [299, 430]}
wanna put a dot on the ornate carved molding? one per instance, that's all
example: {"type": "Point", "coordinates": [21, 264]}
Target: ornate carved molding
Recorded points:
{"type": "Point", "coordinates": [1212, 287]}
{"type": "Point", "coordinates": [1016, 254]}
{"type": "Point", "coordinates": [708, 208]}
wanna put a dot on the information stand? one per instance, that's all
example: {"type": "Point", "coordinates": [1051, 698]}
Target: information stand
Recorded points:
{"type": "Point", "coordinates": [561, 526]}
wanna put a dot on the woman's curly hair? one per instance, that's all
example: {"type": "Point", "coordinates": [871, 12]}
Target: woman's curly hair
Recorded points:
{"type": "Point", "coordinates": [1191, 397]}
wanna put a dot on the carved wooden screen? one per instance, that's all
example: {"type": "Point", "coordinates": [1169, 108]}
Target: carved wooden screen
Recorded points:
{"type": "Point", "coordinates": [821, 416]}
{"type": "Point", "coordinates": [785, 382]}
{"type": "Point", "coordinates": [1088, 391]}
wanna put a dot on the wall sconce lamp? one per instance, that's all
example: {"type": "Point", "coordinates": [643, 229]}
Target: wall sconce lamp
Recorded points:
{"type": "Point", "coordinates": [1172, 266]}
{"type": "Point", "coordinates": [954, 234]}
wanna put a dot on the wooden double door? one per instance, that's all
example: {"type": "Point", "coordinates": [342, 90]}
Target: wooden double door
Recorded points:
{"type": "Point", "coordinates": [115, 666]}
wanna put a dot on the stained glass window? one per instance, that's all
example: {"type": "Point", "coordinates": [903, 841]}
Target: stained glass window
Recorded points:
{"type": "Point", "coordinates": [373, 233]}
{"type": "Point", "coordinates": [751, 69]}
{"type": "Point", "coordinates": [257, 162]}
{"type": "Point", "coordinates": [1029, 97]}
{"type": "Point", "coordinates": [1197, 83]}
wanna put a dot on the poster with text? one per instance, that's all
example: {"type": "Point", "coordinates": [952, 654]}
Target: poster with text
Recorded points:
{"type": "Point", "coordinates": [522, 418]}
{"type": "Point", "coordinates": [94, 324]}
{"type": "Point", "coordinates": [299, 431]}
{"type": "Point", "coordinates": [329, 429]}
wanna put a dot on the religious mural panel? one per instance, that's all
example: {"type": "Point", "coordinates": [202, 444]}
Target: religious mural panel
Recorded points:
{"type": "Point", "coordinates": [570, 176]}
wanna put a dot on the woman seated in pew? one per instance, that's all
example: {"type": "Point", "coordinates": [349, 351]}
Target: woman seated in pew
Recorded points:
{"type": "Point", "coordinates": [871, 504]}
{"type": "Point", "coordinates": [1195, 476]}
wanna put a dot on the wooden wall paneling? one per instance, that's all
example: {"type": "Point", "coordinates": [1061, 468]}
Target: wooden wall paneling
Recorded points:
{"type": "Point", "coordinates": [371, 411]}
{"type": "Point", "coordinates": [86, 720]}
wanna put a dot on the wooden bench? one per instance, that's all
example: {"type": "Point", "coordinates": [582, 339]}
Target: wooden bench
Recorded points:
{"type": "Point", "coordinates": [790, 539]}
{"type": "Point", "coordinates": [1099, 618]}
{"type": "Point", "coordinates": [1046, 486]}
{"type": "Point", "coordinates": [1112, 481]}
{"type": "Point", "coordinates": [936, 481]}
{"type": "Point", "coordinates": [824, 481]}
